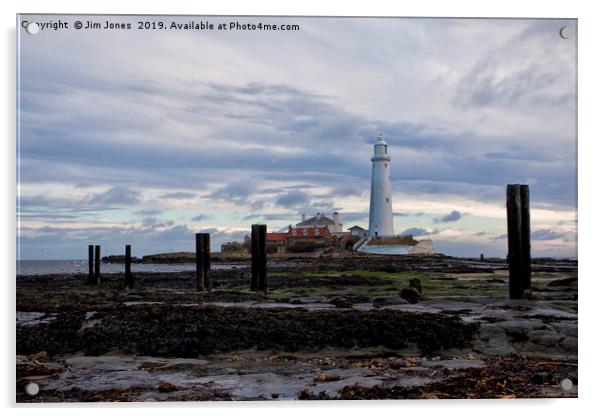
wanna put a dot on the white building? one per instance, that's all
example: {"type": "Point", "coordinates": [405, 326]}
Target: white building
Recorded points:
{"type": "Point", "coordinates": [322, 221]}
{"type": "Point", "coordinates": [358, 231]}
{"type": "Point", "coordinates": [381, 204]}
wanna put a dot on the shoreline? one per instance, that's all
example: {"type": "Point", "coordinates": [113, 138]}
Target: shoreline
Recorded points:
{"type": "Point", "coordinates": [326, 328]}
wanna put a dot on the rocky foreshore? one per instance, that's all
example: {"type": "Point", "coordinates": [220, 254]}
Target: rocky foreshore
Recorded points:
{"type": "Point", "coordinates": [327, 328]}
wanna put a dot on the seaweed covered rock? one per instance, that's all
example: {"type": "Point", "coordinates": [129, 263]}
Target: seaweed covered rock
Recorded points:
{"type": "Point", "coordinates": [410, 294]}
{"type": "Point", "coordinates": [185, 331]}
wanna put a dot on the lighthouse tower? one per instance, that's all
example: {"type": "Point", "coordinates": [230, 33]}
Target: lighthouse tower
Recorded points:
{"type": "Point", "coordinates": [381, 204]}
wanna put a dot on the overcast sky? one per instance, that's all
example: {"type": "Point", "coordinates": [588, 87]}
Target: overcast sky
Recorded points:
{"type": "Point", "coordinates": [146, 137]}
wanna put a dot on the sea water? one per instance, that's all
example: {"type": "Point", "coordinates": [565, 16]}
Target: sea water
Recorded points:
{"type": "Point", "coordinates": [385, 249]}
{"type": "Point", "coordinates": [40, 267]}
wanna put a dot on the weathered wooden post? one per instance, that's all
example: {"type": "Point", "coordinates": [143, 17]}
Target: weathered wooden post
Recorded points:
{"type": "Point", "coordinates": [259, 257]}
{"type": "Point", "coordinates": [525, 237]}
{"type": "Point", "coordinates": [97, 265]}
{"type": "Point", "coordinates": [90, 263]}
{"type": "Point", "coordinates": [129, 278]}
{"type": "Point", "coordinates": [203, 261]}
{"type": "Point", "coordinates": [519, 240]}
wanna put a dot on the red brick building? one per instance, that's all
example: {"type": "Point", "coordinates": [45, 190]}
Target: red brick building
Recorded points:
{"type": "Point", "coordinates": [299, 234]}
{"type": "Point", "coordinates": [279, 238]}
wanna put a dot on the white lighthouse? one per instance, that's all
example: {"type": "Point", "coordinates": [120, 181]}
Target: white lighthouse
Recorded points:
{"type": "Point", "coordinates": [381, 204]}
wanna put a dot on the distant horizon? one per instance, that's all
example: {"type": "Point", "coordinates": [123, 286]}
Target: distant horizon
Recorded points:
{"type": "Point", "coordinates": [217, 252]}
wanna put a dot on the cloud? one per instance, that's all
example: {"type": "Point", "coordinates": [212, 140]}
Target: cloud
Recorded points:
{"type": "Point", "coordinates": [408, 214]}
{"type": "Point", "coordinates": [254, 135]}
{"type": "Point", "coordinates": [274, 217]}
{"type": "Point", "coordinates": [149, 212]}
{"type": "Point", "coordinates": [200, 217]}
{"type": "Point", "coordinates": [179, 195]}
{"type": "Point", "coordinates": [116, 195]}
{"type": "Point", "coordinates": [546, 234]}
{"type": "Point", "coordinates": [155, 223]}
{"type": "Point", "coordinates": [293, 199]}
{"type": "Point", "coordinates": [237, 191]}
{"type": "Point", "coordinates": [349, 217]}
{"type": "Point", "coordinates": [416, 232]}
{"type": "Point", "coordinates": [153, 236]}
{"type": "Point", "coordinates": [451, 217]}
{"type": "Point", "coordinates": [541, 80]}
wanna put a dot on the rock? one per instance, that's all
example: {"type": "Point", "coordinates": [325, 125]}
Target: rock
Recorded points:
{"type": "Point", "coordinates": [544, 337]}
{"type": "Point", "coordinates": [410, 294]}
{"type": "Point", "coordinates": [496, 340]}
{"type": "Point", "coordinates": [565, 328]}
{"type": "Point", "coordinates": [308, 299]}
{"type": "Point", "coordinates": [388, 301]}
{"type": "Point", "coordinates": [563, 282]}
{"type": "Point", "coordinates": [520, 326]}
{"type": "Point", "coordinates": [323, 377]}
{"type": "Point", "coordinates": [541, 378]}
{"type": "Point", "coordinates": [569, 344]}
{"type": "Point", "coordinates": [528, 294]}
{"type": "Point", "coordinates": [388, 268]}
{"type": "Point", "coordinates": [415, 283]}
{"type": "Point", "coordinates": [118, 258]}
{"type": "Point", "coordinates": [423, 247]}
{"type": "Point", "coordinates": [38, 356]}
{"type": "Point", "coordinates": [341, 302]}
{"type": "Point", "coordinates": [167, 387]}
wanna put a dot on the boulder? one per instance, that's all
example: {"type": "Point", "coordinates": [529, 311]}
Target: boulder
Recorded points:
{"type": "Point", "coordinates": [415, 283]}
{"type": "Point", "coordinates": [410, 294]}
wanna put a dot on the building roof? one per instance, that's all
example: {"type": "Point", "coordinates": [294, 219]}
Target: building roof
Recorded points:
{"type": "Point", "coordinates": [356, 227]}
{"type": "Point", "coordinates": [308, 232]}
{"type": "Point", "coordinates": [319, 220]}
{"type": "Point", "coordinates": [276, 237]}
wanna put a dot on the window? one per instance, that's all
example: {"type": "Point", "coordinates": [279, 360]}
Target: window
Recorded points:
{"type": "Point", "coordinates": [386, 165]}
{"type": "Point", "coordinates": [305, 231]}
{"type": "Point", "coordinates": [387, 200]}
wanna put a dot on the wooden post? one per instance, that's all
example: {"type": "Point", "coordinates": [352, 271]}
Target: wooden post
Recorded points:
{"type": "Point", "coordinates": [519, 242]}
{"type": "Point", "coordinates": [203, 261]}
{"type": "Point", "coordinates": [525, 237]}
{"type": "Point", "coordinates": [90, 263]}
{"type": "Point", "coordinates": [208, 283]}
{"type": "Point", "coordinates": [129, 279]}
{"type": "Point", "coordinates": [97, 265]}
{"type": "Point", "coordinates": [259, 257]}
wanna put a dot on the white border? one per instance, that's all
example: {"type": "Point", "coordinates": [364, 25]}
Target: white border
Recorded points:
{"type": "Point", "coordinates": [590, 208]}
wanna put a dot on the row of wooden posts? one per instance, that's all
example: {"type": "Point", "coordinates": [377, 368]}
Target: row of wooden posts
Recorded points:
{"type": "Point", "coordinates": [259, 259]}
{"type": "Point", "coordinates": [519, 251]}
{"type": "Point", "coordinates": [203, 261]}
